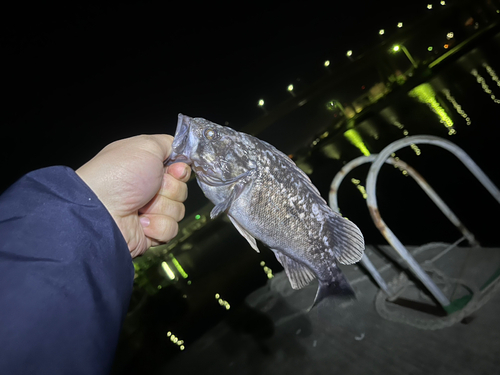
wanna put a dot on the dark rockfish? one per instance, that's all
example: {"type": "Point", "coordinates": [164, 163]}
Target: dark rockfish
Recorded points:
{"type": "Point", "coordinates": [267, 197]}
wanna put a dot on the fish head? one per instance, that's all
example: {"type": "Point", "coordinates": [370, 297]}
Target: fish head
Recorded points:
{"type": "Point", "coordinates": [216, 153]}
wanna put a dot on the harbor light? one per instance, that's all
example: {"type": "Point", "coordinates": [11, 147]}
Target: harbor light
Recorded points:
{"type": "Point", "coordinates": [398, 47]}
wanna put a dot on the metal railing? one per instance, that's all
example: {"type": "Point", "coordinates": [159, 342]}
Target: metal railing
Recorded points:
{"type": "Point", "coordinates": [384, 157]}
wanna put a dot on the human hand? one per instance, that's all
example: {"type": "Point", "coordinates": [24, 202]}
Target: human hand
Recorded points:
{"type": "Point", "coordinates": [144, 197]}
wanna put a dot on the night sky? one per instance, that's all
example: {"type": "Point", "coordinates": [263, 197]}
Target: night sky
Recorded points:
{"type": "Point", "coordinates": [78, 76]}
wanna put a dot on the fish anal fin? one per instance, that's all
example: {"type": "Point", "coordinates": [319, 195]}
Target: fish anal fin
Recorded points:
{"type": "Point", "coordinates": [346, 238]}
{"type": "Point", "coordinates": [298, 274]}
{"type": "Point", "coordinates": [244, 233]}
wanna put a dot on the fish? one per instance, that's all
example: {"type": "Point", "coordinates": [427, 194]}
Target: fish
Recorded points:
{"type": "Point", "coordinates": [268, 198]}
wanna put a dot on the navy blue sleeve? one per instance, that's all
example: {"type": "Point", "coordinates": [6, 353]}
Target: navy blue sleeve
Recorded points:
{"type": "Point", "coordinates": [66, 277]}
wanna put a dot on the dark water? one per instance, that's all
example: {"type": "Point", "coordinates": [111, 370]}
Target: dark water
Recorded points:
{"type": "Point", "coordinates": [220, 263]}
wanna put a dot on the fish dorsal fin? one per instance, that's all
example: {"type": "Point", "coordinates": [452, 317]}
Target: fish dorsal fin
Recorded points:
{"type": "Point", "coordinates": [244, 233]}
{"type": "Point", "coordinates": [348, 242]}
{"type": "Point", "coordinates": [298, 274]}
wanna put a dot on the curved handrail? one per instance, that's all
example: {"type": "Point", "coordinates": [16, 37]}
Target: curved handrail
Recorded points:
{"type": "Point", "coordinates": [431, 193]}
{"type": "Point", "coordinates": [381, 225]}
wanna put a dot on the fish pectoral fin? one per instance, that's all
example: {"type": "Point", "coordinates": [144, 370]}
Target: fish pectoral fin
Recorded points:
{"type": "Point", "coordinates": [244, 233]}
{"type": "Point", "coordinates": [236, 191]}
{"type": "Point", "coordinates": [348, 241]}
{"type": "Point", "coordinates": [220, 208]}
{"type": "Point", "coordinates": [298, 274]}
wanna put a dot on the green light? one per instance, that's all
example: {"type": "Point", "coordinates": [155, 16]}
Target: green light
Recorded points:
{"type": "Point", "coordinates": [327, 63]}
{"type": "Point", "coordinates": [179, 268]}
{"type": "Point", "coordinates": [396, 48]}
{"type": "Point", "coordinates": [355, 138]}
{"type": "Point", "coordinates": [290, 88]}
{"type": "Point", "coordinates": [197, 217]}
{"type": "Point", "coordinates": [425, 94]}
{"type": "Point", "coordinates": [349, 53]}
{"type": "Point", "coordinates": [429, 48]}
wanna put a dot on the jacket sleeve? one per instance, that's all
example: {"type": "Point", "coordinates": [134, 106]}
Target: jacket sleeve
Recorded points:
{"type": "Point", "coordinates": [66, 277]}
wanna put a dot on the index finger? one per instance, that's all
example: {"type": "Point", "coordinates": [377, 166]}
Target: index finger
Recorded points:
{"type": "Point", "coordinates": [164, 141]}
{"type": "Point", "coordinates": [180, 171]}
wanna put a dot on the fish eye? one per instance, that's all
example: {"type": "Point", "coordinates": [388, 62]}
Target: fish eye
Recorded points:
{"type": "Point", "coordinates": [210, 134]}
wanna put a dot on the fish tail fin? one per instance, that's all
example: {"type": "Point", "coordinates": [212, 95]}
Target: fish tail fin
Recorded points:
{"type": "Point", "coordinates": [347, 239]}
{"type": "Point", "coordinates": [338, 287]}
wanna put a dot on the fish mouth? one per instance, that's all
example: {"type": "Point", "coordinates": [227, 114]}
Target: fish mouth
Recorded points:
{"type": "Point", "coordinates": [180, 147]}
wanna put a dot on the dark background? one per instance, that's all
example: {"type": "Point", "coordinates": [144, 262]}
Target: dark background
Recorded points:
{"type": "Point", "coordinates": [80, 75]}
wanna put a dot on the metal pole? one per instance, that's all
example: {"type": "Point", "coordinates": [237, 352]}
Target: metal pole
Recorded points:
{"type": "Point", "coordinates": [388, 234]}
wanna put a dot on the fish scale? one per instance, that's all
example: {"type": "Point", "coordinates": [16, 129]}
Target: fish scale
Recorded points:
{"type": "Point", "coordinates": [267, 197]}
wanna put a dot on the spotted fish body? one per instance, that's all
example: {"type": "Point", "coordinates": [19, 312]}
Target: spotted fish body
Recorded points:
{"type": "Point", "coordinates": [268, 198]}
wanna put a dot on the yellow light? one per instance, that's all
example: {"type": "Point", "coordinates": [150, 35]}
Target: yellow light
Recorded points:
{"type": "Point", "coordinates": [349, 53]}
{"type": "Point", "coordinates": [449, 35]}
{"type": "Point", "coordinates": [483, 83]}
{"type": "Point", "coordinates": [261, 102]}
{"type": "Point", "coordinates": [446, 46]}
{"type": "Point", "coordinates": [355, 138]}
{"type": "Point", "coordinates": [327, 63]}
{"type": "Point", "coordinates": [425, 94]}
{"type": "Point", "coordinates": [443, 2]}
{"type": "Point", "coordinates": [381, 32]}
{"type": "Point", "coordinates": [429, 6]}
{"type": "Point", "coordinates": [182, 347]}
{"type": "Point", "coordinates": [167, 270]}
{"type": "Point", "coordinates": [217, 296]}
{"type": "Point", "coordinates": [400, 24]}
{"type": "Point", "coordinates": [290, 88]}
{"type": "Point", "coordinates": [396, 48]}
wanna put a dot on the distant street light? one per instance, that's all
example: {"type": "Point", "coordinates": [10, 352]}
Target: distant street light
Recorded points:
{"type": "Point", "coordinates": [349, 54]}
{"type": "Point", "coordinates": [261, 105]}
{"type": "Point", "coordinates": [400, 25]}
{"type": "Point", "coordinates": [290, 90]}
{"type": "Point", "coordinates": [449, 35]}
{"type": "Point", "coordinates": [429, 6]}
{"type": "Point", "coordinates": [443, 2]}
{"type": "Point", "coordinates": [336, 104]}
{"type": "Point", "coordinates": [326, 64]}
{"type": "Point", "coordinates": [381, 32]}
{"type": "Point", "coordinates": [397, 47]}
